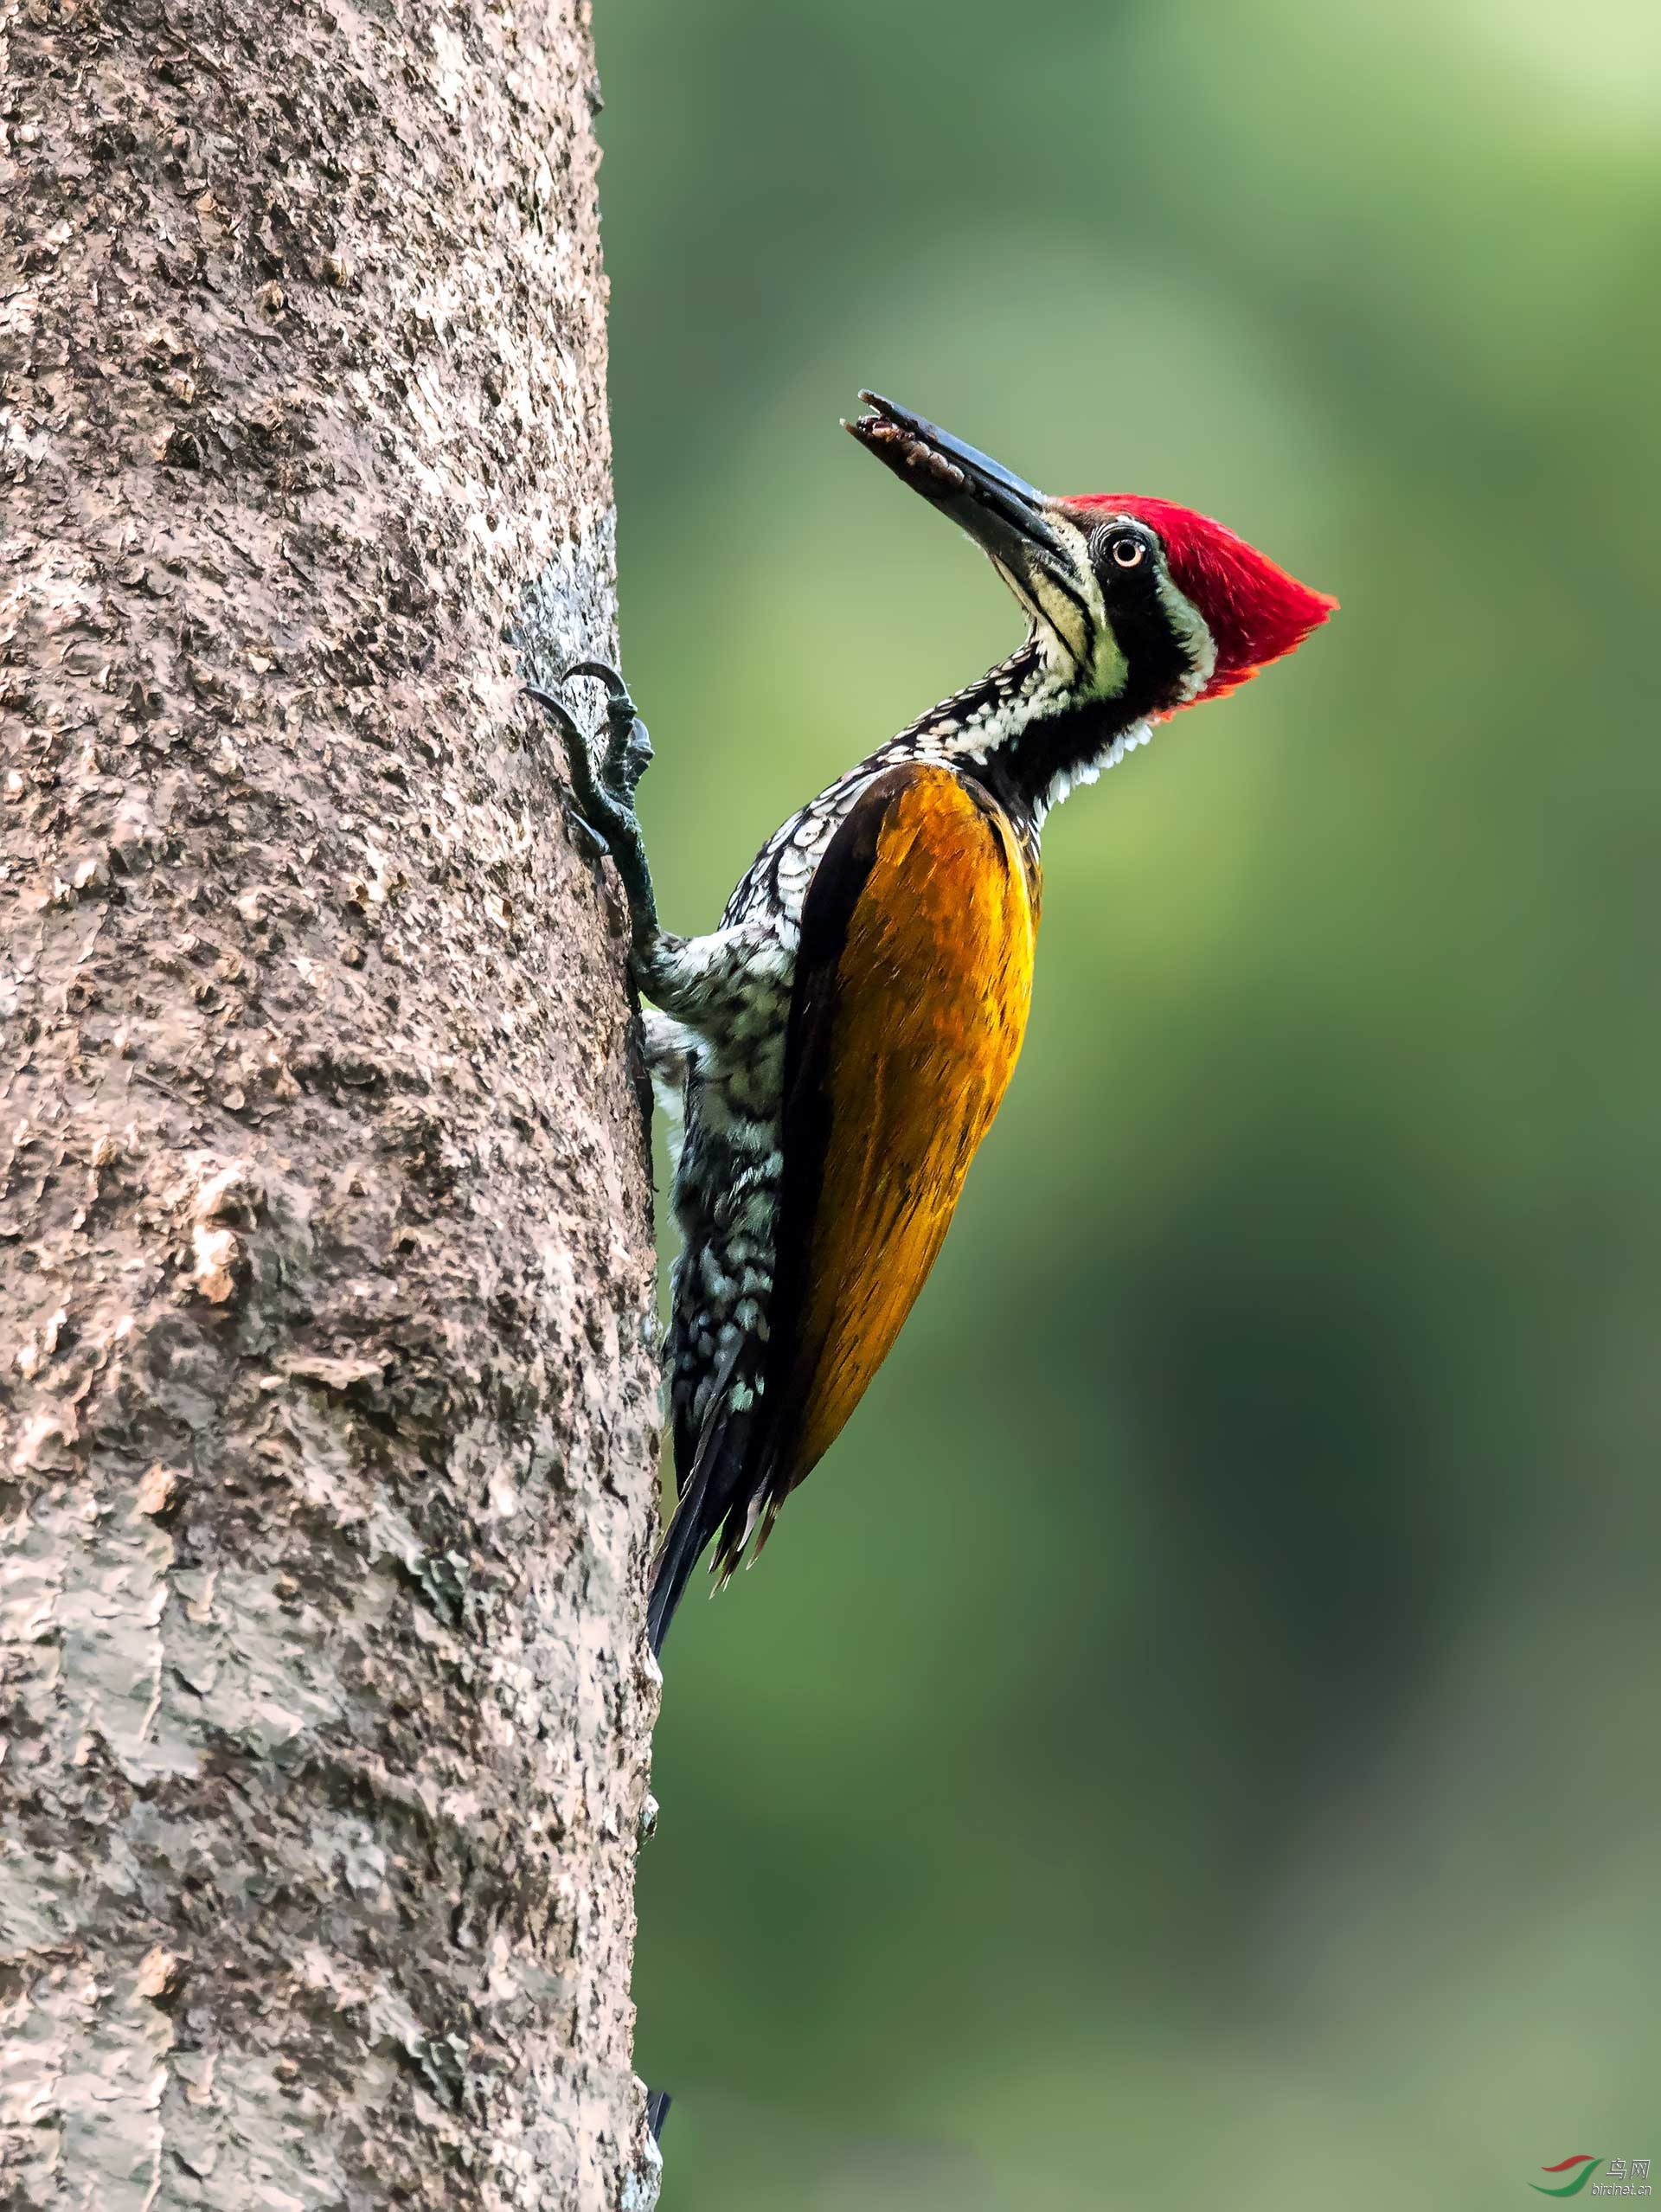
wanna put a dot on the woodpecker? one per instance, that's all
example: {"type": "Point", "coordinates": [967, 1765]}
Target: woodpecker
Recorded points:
{"type": "Point", "coordinates": [842, 1040]}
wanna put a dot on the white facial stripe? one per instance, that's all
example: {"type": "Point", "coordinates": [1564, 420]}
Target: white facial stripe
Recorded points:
{"type": "Point", "coordinates": [1191, 625]}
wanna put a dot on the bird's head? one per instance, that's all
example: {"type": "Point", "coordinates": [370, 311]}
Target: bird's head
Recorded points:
{"type": "Point", "coordinates": [1131, 600]}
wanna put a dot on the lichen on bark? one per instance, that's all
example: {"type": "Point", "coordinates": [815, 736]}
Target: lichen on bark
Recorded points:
{"type": "Point", "coordinates": [326, 1372]}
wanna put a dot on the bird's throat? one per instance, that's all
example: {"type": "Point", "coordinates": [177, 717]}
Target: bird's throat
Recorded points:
{"type": "Point", "coordinates": [1030, 735]}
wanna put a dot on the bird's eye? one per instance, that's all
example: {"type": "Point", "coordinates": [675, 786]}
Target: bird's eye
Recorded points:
{"type": "Point", "coordinates": [1127, 552]}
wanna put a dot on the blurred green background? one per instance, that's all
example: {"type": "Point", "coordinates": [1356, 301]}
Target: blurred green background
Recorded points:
{"type": "Point", "coordinates": [1194, 1740]}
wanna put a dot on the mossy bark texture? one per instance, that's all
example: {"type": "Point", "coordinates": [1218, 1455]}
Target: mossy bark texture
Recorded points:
{"type": "Point", "coordinates": [326, 1372]}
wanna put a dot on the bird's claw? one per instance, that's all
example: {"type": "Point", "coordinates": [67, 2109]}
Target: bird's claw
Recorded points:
{"type": "Point", "coordinates": [627, 752]}
{"type": "Point", "coordinates": [628, 749]}
{"type": "Point", "coordinates": [590, 800]}
{"type": "Point", "coordinates": [602, 672]}
{"type": "Point", "coordinates": [603, 816]}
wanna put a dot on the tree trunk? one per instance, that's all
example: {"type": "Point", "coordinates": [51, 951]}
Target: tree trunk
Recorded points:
{"type": "Point", "coordinates": [326, 1313]}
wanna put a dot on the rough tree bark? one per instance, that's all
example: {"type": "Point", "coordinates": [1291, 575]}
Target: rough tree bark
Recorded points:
{"type": "Point", "coordinates": [325, 1282]}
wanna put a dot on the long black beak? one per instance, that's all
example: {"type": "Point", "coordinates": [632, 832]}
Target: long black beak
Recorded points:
{"type": "Point", "coordinates": [1008, 518]}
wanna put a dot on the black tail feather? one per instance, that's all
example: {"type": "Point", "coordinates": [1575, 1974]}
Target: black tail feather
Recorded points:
{"type": "Point", "coordinates": [711, 1491]}
{"type": "Point", "coordinates": [688, 1534]}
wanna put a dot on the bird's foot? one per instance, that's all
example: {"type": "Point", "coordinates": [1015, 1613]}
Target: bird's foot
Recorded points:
{"type": "Point", "coordinates": [604, 816]}
{"type": "Point", "coordinates": [628, 748]}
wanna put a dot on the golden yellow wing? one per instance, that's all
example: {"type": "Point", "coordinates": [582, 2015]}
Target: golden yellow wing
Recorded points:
{"type": "Point", "coordinates": [912, 985]}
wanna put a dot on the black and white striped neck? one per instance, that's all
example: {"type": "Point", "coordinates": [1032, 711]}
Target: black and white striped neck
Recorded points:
{"type": "Point", "coordinates": [1025, 731]}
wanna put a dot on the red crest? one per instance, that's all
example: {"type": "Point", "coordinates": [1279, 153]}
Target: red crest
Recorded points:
{"type": "Point", "coordinates": [1254, 609]}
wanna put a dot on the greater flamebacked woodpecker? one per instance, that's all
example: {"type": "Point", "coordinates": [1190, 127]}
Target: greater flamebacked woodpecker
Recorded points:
{"type": "Point", "coordinates": [844, 1038]}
